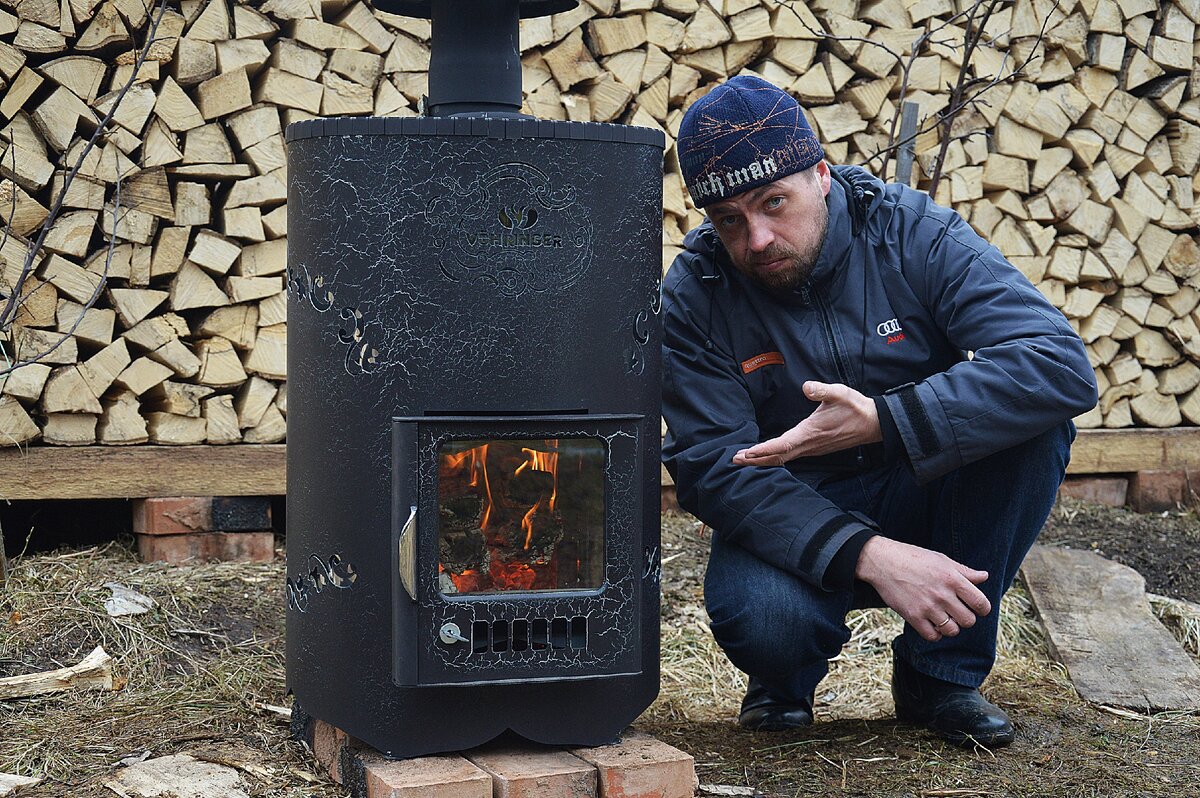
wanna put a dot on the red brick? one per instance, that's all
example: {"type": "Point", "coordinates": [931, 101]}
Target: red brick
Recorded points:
{"type": "Point", "coordinates": [201, 546]}
{"type": "Point", "coordinates": [327, 742]}
{"type": "Point", "coordinates": [639, 766]}
{"type": "Point", "coordinates": [669, 500]}
{"type": "Point", "coordinates": [1192, 476]}
{"type": "Point", "coordinates": [1112, 491]}
{"type": "Point", "coordinates": [535, 772]}
{"type": "Point", "coordinates": [425, 777]}
{"type": "Point", "coordinates": [175, 515]}
{"type": "Point", "coordinates": [1155, 491]}
{"type": "Point", "coordinates": [181, 514]}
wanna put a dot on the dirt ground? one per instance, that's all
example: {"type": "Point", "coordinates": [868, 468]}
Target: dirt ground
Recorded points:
{"type": "Point", "coordinates": [1065, 747]}
{"type": "Point", "coordinates": [198, 672]}
{"type": "Point", "coordinates": [1162, 547]}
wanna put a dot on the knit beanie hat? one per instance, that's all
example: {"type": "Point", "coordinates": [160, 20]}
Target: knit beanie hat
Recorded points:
{"type": "Point", "coordinates": [741, 135]}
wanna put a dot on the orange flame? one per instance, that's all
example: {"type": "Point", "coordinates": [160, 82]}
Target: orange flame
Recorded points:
{"type": "Point", "coordinates": [476, 462]}
{"type": "Point", "coordinates": [527, 523]}
{"type": "Point", "coordinates": [469, 581]}
{"type": "Point", "coordinates": [539, 461]}
{"type": "Point", "coordinates": [502, 575]}
{"type": "Point", "coordinates": [487, 510]}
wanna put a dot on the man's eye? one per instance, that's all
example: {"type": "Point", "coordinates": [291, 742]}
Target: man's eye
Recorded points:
{"type": "Point", "coordinates": [774, 202]}
{"type": "Point", "coordinates": [727, 221]}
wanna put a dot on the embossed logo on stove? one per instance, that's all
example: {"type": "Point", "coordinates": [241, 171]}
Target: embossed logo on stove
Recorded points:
{"type": "Point", "coordinates": [516, 221]}
{"type": "Point", "coordinates": [520, 218]}
{"type": "Point", "coordinates": [512, 228]}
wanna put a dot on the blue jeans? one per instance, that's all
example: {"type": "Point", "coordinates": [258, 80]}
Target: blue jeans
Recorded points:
{"type": "Point", "coordinates": [782, 631]}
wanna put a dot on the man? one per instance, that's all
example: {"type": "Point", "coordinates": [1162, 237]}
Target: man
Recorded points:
{"type": "Point", "coordinates": [867, 403]}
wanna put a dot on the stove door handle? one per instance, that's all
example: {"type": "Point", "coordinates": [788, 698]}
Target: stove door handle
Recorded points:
{"type": "Point", "coordinates": [408, 554]}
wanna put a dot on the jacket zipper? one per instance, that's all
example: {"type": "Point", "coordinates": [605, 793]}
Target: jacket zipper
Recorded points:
{"type": "Point", "coordinates": [838, 363]}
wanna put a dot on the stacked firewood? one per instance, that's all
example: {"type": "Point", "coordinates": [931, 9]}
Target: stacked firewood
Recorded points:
{"type": "Point", "coordinates": [161, 281]}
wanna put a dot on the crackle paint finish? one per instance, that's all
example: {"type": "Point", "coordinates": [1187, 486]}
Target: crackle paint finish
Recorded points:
{"type": "Point", "coordinates": [489, 280]}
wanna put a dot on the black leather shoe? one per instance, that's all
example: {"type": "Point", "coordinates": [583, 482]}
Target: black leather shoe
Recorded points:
{"type": "Point", "coordinates": [761, 712]}
{"type": "Point", "coordinates": [959, 715]}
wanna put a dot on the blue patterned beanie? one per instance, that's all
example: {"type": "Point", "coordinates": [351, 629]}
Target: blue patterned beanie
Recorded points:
{"type": "Point", "coordinates": [741, 135]}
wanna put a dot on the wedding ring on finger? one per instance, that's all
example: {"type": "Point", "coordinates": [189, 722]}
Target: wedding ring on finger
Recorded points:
{"type": "Point", "coordinates": [943, 623]}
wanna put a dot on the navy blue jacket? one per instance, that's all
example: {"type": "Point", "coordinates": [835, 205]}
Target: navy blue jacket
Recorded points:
{"type": "Point", "coordinates": [902, 290]}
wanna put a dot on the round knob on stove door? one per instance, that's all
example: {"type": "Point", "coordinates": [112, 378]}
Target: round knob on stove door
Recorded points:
{"type": "Point", "coordinates": [451, 634]}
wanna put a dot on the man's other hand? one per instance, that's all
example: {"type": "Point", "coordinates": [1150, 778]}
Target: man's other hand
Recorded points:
{"type": "Point", "coordinates": [936, 595]}
{"type": "Point", "coordinates": [844, 419]}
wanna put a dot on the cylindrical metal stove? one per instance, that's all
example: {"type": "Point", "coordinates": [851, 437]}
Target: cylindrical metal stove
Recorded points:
{"type": "Point", "coordinates": [473, 442]}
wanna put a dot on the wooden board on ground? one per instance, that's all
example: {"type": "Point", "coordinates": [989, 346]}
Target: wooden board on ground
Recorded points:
{"type": "Point", "coordinates": [143, 471]}
{"type": "Point", "coordinates": [1100, 626]}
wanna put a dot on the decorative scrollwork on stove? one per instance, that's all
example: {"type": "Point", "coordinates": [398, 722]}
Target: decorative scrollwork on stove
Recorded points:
{"type": "Point", "coordinates": [309, 289]}
{"type": "Point", "coordinates": [356, 332]}
{"type": "Point", "coordinates": [361, 356]}
{"type": "Point", "coordinates": [652, 564]}
{"type": "Point", "coordinates": [635, 358]}
{"type": "Point", "coordinates": [321, 574]}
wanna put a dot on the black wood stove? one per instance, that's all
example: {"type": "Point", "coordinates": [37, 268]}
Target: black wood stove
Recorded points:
{"type": "Point", "coordinates": [473, 443]}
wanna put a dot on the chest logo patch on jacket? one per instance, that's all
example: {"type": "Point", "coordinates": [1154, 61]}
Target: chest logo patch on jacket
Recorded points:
{"type": "Point", "coordinates": [765, 359]}
{"type": "Point", "coordinates": [891, 330]}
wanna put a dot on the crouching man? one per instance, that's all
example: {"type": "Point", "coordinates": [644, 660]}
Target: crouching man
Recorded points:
{"type": "Point", "coordinates": [867, 403]}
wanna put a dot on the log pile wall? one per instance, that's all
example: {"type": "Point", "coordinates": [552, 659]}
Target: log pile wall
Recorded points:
{"type": "Point", "coordinates": [1080, 170]}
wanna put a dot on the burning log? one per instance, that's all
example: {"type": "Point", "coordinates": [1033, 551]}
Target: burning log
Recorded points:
{"type": "Point", "coordinates": [499, 526]}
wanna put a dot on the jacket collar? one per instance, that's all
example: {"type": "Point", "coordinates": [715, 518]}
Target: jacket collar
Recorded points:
{"type": "Point", "coordinates": [838, 238]}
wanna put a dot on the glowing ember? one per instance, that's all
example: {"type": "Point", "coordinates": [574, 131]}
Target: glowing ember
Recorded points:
{"type": "Point", "coordinates": [513, 576]}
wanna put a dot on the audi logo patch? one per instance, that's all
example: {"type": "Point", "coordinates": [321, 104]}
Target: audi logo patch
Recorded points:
{"type": "Point", "coordinates": [891, 330]}
{"type": "Point", "coordinates": [889, 327]}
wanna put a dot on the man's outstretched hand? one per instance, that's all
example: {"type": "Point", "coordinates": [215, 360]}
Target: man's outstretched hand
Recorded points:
{"type": "Point", "coordinates": [844, 419]}
{"type": "Point", "coordinates": [936, 595]}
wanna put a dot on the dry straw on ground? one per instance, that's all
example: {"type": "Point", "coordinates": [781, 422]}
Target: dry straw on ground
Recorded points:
{"type": "Point", "coordinates": [196, 671]}
{"type": "Point", "coordinates": [193, 673]}
{"type": "Point", "coordinates": [1181, 617]}
{"type": "Point", "coordinates": [699, 683]}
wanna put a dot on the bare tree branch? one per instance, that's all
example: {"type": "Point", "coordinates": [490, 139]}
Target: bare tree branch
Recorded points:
{"type": "Point", "coordinates": [975, 98]}
{"type": "Point", "coordinates": [112, 240]}
{"type": "Point", "coordinates": [946, 118]}
{"type": "Point", "coordinates": [8, 314]}
{"type": "Point", "coordinates": [963, 93]}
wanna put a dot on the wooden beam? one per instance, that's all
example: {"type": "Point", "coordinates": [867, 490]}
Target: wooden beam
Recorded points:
{"type": "Point", "coordinates": [1122, 451]}
{"type": "Point", "coordinates": [104, 472]}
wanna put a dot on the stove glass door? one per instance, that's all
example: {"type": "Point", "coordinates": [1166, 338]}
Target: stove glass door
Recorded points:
{"type": "Point", "coordinates": [521, 515]}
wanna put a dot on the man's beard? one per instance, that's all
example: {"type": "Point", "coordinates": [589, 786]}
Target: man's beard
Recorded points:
{"type": "Point", "coordinates": [798, 269]}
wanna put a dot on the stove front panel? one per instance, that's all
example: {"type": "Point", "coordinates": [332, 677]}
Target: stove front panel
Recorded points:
{"type": "Point", "coordinates": [552, 592]}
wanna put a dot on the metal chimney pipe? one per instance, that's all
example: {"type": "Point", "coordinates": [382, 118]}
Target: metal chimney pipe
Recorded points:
{"type": "Point", "coordinates": [475, 65]}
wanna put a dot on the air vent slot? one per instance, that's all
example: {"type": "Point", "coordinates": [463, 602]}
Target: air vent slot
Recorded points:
{"type": "Point", "coordinates": [538, 634]}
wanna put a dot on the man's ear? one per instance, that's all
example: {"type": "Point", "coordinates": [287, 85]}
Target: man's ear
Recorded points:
{"type": "Point", "coordinates": [823, 176]}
